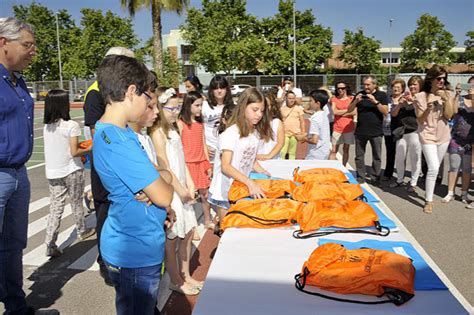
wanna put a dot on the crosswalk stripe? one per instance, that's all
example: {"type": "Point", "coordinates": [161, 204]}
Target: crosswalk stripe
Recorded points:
{"type": "Point", "coordinates": [38, 204]}
{"type": "Point", "coordinates": [40, 224]}
{"type": "Point", "coordinates": [37, 256]}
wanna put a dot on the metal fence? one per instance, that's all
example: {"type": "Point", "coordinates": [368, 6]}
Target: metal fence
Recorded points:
{"type": "Point", "coordinates": [306, 82]}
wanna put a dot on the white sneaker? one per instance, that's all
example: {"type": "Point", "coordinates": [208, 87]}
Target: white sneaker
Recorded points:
{"type": "Point", "coordinates": [447, 199]}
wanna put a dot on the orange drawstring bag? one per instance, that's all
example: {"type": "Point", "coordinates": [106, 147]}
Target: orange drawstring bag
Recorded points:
{"type": "Point", "coordinates": [311, 191]}
{"type": "Point", "coordinates": [328, 216]}
{"type": "Point", "coordinates": [273, 188]}
{"type": "Point", "coordinates": [366, 271]}
{"type": "Point", "coordinates": [261, 213]}
{"type": "Point", "coordinates": [320, 175]}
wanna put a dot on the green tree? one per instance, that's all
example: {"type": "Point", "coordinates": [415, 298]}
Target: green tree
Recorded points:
{"type": "Point", "coordinates": [100, 32]}
{"type": "Point", "coordinates": [360, 52]}
{"type": "Point", "coordinates": [223, 36]}
{"type": "Point", "coordinates": [468, 56]}
{"type": "Point", "coordinates": [156, 6]}
{"type": "Point", "coordinates": [313, 41]}
{"type": "Point", "coordinates": [430, 43]}
{"type": "Point", "coordinates": [45, 65]}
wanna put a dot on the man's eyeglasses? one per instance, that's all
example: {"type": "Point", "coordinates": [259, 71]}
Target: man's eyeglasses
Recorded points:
{"type": "Point", "coordinates": [441, 78]}
{"type": "Point", "coordinates": [26, 45]}
{"type": "Point", "coordinates": [172, 109]}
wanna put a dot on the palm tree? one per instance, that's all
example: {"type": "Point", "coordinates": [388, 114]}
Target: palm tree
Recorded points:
{"type": "Point", "coordinates": [157, 6]}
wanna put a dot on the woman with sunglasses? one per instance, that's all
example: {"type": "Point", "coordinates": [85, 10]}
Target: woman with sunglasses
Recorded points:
{"type": "Point", "coordinates": [343, 129]}
{"type": "Point", "coordinates": [435, 106]}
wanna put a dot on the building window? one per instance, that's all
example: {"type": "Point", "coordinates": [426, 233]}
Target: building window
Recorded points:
{"type": "Point", "coordinates": [189, 70]}
{"type": "Point", "coordinates": [186, 51]}
{"type": "Point", "coordinates": [384, 60]}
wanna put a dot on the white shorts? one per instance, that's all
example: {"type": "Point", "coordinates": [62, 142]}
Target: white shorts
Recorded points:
{"type": "Point", "coordinates": [343, 138]}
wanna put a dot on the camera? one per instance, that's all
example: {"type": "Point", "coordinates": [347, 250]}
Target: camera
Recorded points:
{"type": "Point", "coordinates": [364, 96]}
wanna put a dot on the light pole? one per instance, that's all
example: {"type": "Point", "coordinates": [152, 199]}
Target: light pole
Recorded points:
{"type": "Point", "coordinates": [294, 43]}
{"type": "Point", "coordinates": [59, 53]}
{"type": "Point", "coordinates": [390, 45]}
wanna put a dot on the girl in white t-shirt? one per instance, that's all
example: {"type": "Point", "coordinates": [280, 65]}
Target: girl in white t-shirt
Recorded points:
{"type": "Point", "coordinates": [219, 96]}
{"type": "Point", "coordinates": [237, 149]}
{"type": "Point", "coordinates": [271, 149]}
{"type": "Point", "coordinates": [170, 154]}
{"type": "Point", "coordinates": [64, 169]}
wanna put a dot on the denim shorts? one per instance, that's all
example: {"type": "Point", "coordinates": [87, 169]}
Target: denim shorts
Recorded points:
{"type": "Point", "coordinates": [225, 204]}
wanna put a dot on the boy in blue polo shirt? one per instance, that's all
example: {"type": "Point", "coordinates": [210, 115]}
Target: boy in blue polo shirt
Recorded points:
{"type": "Point", "coordinates": [133, 237]}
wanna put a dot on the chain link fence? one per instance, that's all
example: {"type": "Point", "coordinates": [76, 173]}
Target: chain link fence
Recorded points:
{"type": "Point", "coordinates": [306, 82]}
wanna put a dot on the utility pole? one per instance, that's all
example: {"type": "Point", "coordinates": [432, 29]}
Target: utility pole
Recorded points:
{"type": "Point", "coordinates": [294, 43]}
{"type": "Point", "coordinates": [59, 53]}
{"type": "Point", "coordinates": [390, 45]}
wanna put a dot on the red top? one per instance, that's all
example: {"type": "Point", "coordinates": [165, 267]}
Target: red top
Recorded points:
{"type": "Point", "coordinates": [192, 138]}
{"type": "Point", "coordinates": [343, 124]}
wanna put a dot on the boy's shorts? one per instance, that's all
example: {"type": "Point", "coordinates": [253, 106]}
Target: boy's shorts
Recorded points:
{"type": "Point", "coordinates": [225, 204]}
{"type": "Point", "coordinates": [343, 138]}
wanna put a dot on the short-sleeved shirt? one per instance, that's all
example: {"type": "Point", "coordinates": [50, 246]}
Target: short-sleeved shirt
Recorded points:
{"type": "Point", "coordinates": [435, 129]}
{"type": "Point", "coordinates": [244, 154]}
{"type": "Point", "coordinates": [369, 118]}
{"type": "Point", "coordinates": [16, 120]}
{"type": "Point", "coordinates": [133, 234]}
{"type": "Point", "coordinates": [343, 124]}
{"type": "Point", "coordinates": [319, 125]}
{"type": "Point", "coordinates": [291, 118]}
{"type": "Point", "coordinates": [267, 146]}
{"type": "Point", "coordinates": [57, 150]}
{"type": "Point", "coordinates": [211, 118]}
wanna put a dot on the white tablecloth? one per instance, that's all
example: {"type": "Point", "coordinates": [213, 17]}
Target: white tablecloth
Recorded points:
{"type": "Point", "coordinates": [253, 272]}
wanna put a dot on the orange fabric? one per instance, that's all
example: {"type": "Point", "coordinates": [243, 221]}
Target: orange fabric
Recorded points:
{"type": "Point", "coordinates": [320, 175]}
{"type": "Point", "coordinates": [311, 191]}
{"type": "Point", "coordinates": [266, 209]}
{"type": "Point", "coordinates": [273, 188]}
{"type": "Point", "coordinates": [335, 213]}
{"type": "Point", "coordinates": [362, 271]}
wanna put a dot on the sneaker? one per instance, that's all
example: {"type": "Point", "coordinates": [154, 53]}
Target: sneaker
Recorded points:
{"type": "Point", "coordinates": [411, 189]}
{"type": "Point", "coordinates": [447, 199]}
{"type": "Point", "coordinates": [470, 206]}
{"type": "Point", "coordinates": [86, 234]}
{"type": "Point", "coordinates": [395, 184]}
{"type": "Point", "coordinates": [53, 251]}
{"type": "Point", "coordinates": [466, 200]}
{"type": "Point", "coordinates": [361, 180]}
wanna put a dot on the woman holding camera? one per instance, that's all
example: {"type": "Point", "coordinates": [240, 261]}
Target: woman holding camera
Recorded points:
{"type": "Point", "coordinates": [460, 146]}
{"type": "Point", "coordinates": [408, 140]}
{"type": "Point", "coordinates": [435, 105]}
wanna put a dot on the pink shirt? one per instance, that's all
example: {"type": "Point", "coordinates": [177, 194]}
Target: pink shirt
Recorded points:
{"type": "Point", "coordinates": [343, 124]}
{"type": "Point", "coordinates": [435, 129]}
{"type": "Point", "coordinates": [291, 119]}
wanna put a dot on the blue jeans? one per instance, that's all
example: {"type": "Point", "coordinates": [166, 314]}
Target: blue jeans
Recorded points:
{"type": "Point", "coordinates": [14, 202]}
{"type": "Point", "coordinates": [136, 289]}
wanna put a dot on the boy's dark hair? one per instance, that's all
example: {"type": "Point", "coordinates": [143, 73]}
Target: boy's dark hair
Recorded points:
{"type": "Point", "coordinates": [56, 106]}
{"type": "Point", "coordinates": [320, 96]}
{"type": "Point", "coordinates": [188, 101]}
{"type": "Point", "coordinates": [117, 73]}
{"type": "Point", "coordinates": [219, 81]}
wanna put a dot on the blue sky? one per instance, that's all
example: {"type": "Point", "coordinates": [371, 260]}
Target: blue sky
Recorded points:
{"type": "Point", "coordinates": [372, 15]}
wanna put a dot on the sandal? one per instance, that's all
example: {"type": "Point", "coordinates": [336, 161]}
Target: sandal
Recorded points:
{"type": "Point", "coordinates": [184, 289]}
{"type": "Point", "coordinates": [428, 208]}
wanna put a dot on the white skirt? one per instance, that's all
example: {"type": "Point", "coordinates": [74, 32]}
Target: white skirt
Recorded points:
{"type": "Point", "coordinates": [185, 218]}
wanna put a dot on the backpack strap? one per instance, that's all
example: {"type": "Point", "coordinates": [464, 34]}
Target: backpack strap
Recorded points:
{"type": "Point", "coordinates": [380, 230]}
{"type": "Point", "coordinates": [301, 284]}
{"type": "Point", "coordinates": [259, 220]}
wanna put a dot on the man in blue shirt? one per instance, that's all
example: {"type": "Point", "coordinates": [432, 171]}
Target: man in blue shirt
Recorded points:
{"type": "Point", "coordinates": [133, 238]}
{"type": "Point", "coordinates": [17, 48]}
